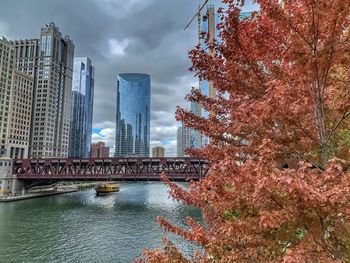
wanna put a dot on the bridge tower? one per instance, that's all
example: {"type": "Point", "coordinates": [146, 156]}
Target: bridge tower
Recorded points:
{"type": "Point", "coordinates": [9, 184]}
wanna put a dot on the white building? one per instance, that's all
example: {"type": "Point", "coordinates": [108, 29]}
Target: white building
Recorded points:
{"type": "Point", "coordinates": [183, 140]}
{"type": "Point", "coordinates": [16, 94]}
{"type": "Point", "coordinates": [6, 71]}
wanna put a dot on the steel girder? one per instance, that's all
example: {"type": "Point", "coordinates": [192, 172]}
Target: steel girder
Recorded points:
{"type": "Point", "coordinates": [110, 168]}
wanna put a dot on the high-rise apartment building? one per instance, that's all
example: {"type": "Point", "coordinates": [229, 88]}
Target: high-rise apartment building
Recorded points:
{"type": "Point", "coordinates": [99, 150]}
{"type": "Point", "coordinates": [158, 151]}
{"type": "Point", "coordinates": [133, 115]}
{"type": "Point", "coordinates": [183, 140]}
{"type": "Point", "coordinates": [49, 60]}
{"type": "Point", "coordinates": [82, 108]}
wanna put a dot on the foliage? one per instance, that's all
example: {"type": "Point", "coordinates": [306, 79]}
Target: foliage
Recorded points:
{"type": "Point", "coordinates": [278, 188]}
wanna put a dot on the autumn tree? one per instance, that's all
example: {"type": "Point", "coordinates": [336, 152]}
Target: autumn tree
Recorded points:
{"type": "Point", "coordinates": [279, 184]}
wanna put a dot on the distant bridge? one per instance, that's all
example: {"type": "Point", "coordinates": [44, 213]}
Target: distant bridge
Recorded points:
{"type": "Point", "coordinates": [117, 169]}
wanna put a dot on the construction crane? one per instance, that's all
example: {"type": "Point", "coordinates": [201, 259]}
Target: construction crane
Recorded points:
{"type": "Point", "coordinates": [198, 14]}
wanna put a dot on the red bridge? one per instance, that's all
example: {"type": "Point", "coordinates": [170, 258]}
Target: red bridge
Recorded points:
{"type": "Point", "coordinates": [65, 169]}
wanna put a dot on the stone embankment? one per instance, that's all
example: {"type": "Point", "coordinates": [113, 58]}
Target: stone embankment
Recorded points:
{"type": "Point", "coordinates": [61, 188]}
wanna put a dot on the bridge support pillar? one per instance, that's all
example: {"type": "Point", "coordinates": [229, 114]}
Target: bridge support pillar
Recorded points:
{"type": "Point", "coordinates": [9, 184]}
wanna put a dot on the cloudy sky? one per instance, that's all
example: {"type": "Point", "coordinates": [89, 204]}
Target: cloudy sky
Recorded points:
{"type": "Point", "coordinates": [144, 36]}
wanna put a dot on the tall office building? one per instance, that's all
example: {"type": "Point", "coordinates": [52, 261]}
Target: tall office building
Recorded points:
{"type": "Point", "coordinates": [183, 140]}
{"type": "Point", "coordinates": [6, 71]}
{"type": "Point", "coordinates": [49, 60]}
{"type": "Point", "coordinates": [20, 115]}
{"type": "Point", "coordinates": [209, 22]}
{"type": "Point", "coordinates": [208, 26]}
{"type": "Point", "coordinates": [16, 94]}
{"type": "Point", "coordinates": [82, 108]}
{"type": "Point", "coordinates": [133, 115]}
{"type": "Point", "coordinates": [158, 151]}
{"type": "Point", "coordinates": [195, 136]}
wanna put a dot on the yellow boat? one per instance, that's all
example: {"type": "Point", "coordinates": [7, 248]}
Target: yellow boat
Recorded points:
{"type": "Point", "coordinates": [106, 188]}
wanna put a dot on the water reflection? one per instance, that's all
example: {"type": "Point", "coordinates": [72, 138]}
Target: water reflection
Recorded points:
{"type": "Point", "coordinates": [80, 227]}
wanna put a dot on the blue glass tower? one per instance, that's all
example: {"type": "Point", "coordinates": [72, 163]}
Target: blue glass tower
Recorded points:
{"type": "Point", "coordinates": [209, 24]}
{"type": "Point", "coordinates": [132, 136]}
{"type": "Point", "coordinates": [82, 108]}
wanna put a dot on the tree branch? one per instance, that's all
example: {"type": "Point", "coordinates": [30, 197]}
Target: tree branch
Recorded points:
{"type": "Point", "coordinates": [345, 115]}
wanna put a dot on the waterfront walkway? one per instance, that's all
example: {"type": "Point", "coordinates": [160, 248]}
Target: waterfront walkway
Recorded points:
{"type": "Point", "coordinates": [11, 198]}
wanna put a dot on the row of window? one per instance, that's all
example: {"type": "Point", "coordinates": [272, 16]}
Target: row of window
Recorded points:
{"type": "Point", "coordinates": [23, 141]}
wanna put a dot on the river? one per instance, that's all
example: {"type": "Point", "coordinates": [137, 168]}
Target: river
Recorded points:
{"type": "Point", "coordinates": [81, 227]}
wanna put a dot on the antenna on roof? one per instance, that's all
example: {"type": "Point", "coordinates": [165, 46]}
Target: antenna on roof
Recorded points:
{"type": "Point", "coordinates": [198, 13]}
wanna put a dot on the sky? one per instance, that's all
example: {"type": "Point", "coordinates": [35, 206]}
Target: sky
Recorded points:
{"type": "Point", "coordinates": [141, 36]}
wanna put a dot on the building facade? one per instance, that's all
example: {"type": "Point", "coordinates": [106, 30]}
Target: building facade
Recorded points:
{"type": "Point", "coordinates": [244, 15]}
{"type": "Point", "coordinates": [6, 72]}
{"type": "Point", "coordinates": [158, 151]}
{"type": "Point", "coordinates": [16, 94]}
{"type": "Point", "coordinates": [82, 108]}
{"type": "Point", "coordinates": [195, 136]}
{"type": "Point", "coordinates": [49, 60]}
{"type": "Point", "coordinates": [183, 140]}
{"type": "Point", "coordinates": [20, 115]}
{"type": "Point", "coordinates": [99, 150]}
{"type": "Point", "coordinates": [133, 115]}
{"type": "Point", "coordinates": [209, 22]}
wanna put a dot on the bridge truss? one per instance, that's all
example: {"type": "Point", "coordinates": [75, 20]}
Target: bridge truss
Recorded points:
{"type": "Point", "coordinates": [177, 169]}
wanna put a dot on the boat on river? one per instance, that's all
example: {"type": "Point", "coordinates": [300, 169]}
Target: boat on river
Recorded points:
{"type": "Point", "coordinates": [107, 188]}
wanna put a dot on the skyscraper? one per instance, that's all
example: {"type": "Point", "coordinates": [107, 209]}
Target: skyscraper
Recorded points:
{"type": "Point", "coordinates": [195, 136]}
{"type": "Point", "coordinates": [49, 60]}
{"type": "Point", "coordinates": [20, 115]}
{"type": "Point", "coordinates": [209, 22]}
{"type": "Point", "coordinates": [133, 115]}
{"type": "Point", "coordinates": [16, 94]}
{"type": "Point", "coordinates": [6, 71]}
{"type": "Point", "coordinates": [82, 108]}
{"type": "Point", "coordinates": [183, 140]}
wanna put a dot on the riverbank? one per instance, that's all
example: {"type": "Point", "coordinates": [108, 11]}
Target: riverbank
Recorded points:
{"type": "Point", "coordinates": [35, 195]}
{"type": "Point", "coordinates": [62, 188]}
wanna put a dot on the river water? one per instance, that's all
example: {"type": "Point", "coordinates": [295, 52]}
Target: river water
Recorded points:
{"type": "Point", "coordinates": [81, 227]}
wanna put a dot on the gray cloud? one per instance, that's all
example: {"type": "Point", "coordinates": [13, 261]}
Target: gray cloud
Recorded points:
{"type": "Point", "coordinates": [151, 39]}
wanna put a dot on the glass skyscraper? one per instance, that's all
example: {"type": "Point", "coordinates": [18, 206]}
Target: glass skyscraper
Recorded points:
{"type": "Point", "coordinates": [132, 136]}
{"type": "Point", "coordinates": [82, 108]}
{"type": "Point", "coordinates": [209, 24]}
